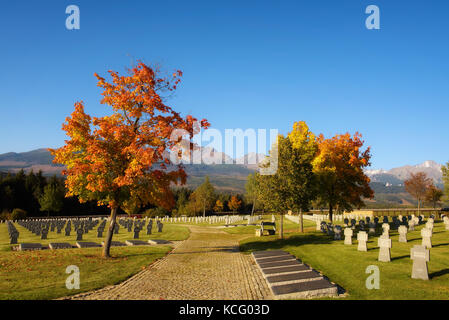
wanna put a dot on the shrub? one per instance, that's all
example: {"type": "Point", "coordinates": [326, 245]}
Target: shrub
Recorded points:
{"type": "Point", "coordinates": [18, 214]}
{"type": "Point", "coordinates": [156, 212]}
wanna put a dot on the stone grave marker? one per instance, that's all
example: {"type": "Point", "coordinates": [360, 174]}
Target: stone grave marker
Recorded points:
{"type": "Point", "coordinates": [160, 225]}
{"type": "Point", "coordinates": [87, 244]}
{"type": "Point", "coordinates": [446, 222]}
{"type": "Point", "coordinates": [426, 235]}
{"type": "Point", "coordinates": [411, 225]}
{"type": "Point", "coordinates": [79, 234]}
{"type": "Point", "coordinates": [402, 233]}
{"type": "Point", "coordinates": [337, 232]}
{"type": "Point", "coordinates": [372, 228]}
{"type": "Point", "coordinates": [386, 229]}
{"type": "Point", "coordinates": [420, 256]}
{"type": "Point", "coordinates": [59, 245]}
{"type": "Point", "coordinates": [44, 234]}
{"type": "Point", "coordinates": [384, 251]}
{"type": "Point", "coordinates": [348, 236]}
{"type": "Point", "coordinates": [29, 246]}
{"type": "Point", "coordinates": [362, 238]}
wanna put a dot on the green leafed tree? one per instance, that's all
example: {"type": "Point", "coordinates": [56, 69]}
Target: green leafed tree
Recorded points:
{"type": "Point", "coordinates": [445, 170]}
{"type": "Point", "coordinates": [293, 186]}
{"type": "Point", "coordinates": [204, 196]}
{"type": "Point", "coordinates": [51, 200]}
{"type": "Point", "coordinates": [252, 189]}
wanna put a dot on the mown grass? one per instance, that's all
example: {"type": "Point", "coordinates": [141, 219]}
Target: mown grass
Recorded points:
{"type": "Point", "coordinates": [289, 226]}
{"type": "Point", "coordinates": [169, 232]}
{"type": "Point", "coordinates": [41, 275]}
{"type": "Point", "coordinates": [346, 266]}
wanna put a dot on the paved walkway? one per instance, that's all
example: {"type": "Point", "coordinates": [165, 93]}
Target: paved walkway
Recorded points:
{"type": "Point", "coordinates": [206, 266]}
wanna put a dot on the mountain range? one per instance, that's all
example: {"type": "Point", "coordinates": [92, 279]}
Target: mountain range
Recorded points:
{"type": "Point", "coordinates": [397, 176]}
{"type": "Point", "coordinates": [226, 173]}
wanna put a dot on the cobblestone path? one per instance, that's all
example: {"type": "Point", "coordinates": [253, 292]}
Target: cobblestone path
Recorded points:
{"type": "Point", "coordinates": [206, 266]}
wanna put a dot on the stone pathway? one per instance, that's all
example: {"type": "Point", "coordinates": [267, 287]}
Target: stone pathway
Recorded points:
{"type": "Point", "coordinates": [206, 266]}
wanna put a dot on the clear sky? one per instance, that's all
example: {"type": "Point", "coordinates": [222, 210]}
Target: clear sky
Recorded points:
{"type": "Point", "coordinates": [246, 64]}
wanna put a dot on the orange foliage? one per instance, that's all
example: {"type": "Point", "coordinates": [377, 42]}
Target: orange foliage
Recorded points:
{"type": "Point", "coordinates": [339, 164]}
{"type": "Point", "coordinates": [124, 157]}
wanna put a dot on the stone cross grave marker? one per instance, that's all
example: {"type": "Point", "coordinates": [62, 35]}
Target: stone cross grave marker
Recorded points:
{"type": "Point", "coordinates": [402, 234]}
{"type": "Point", "coordinates": [372, 228]}
{"type": "Point", "coordinates": [426, 235]}
{"type": "Point", "coordinates": [386, 229]}
{"type": "Point", "coordinates": [420, 256]}
{"type": "Point", "coordinates": [384, 251]}
{"type": "Point", "coordinates": [362, 238]}
{"type": "Point", "coordinates": [348, 236]}
{"type": "Point", "coordinates": [411, 225]}
{"type": "Point", "coordinates": [337, 232]}
{"type": "Point", "coordinates": [446, 222]}
{"type": "Point", "coordinates": [79, 234]}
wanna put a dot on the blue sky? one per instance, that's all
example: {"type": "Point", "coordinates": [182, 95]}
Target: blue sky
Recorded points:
{"type": "Point", "coordinates": [246, 64]}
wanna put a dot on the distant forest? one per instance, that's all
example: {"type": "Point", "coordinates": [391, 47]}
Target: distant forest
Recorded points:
{"type": "Point", "coordinates": [35, 195]}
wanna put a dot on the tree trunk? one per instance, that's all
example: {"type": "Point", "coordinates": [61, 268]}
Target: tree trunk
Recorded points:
{"type": "Point", "coordinates": [419, 206]}
{"type": "Point", "coordinates": [301, 224]}
{"type": "Point", "coordinates": [252, 210]}
{"type": "Point", "coordinates": [107, 243]}
{"type": "Point", "coordinates": [281, 233]}
{"type": "Point", "coordinates": [330, 211]}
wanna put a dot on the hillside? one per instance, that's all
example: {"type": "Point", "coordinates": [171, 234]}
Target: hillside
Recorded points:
{"type": "Point", "coordinates": [387, 185]}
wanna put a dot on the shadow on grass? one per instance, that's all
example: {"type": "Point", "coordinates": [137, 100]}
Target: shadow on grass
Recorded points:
{"type": "Point", "coordinates": [438, 273]}
{"type": "Point", "coordinates": [400, 257]}
{"type": "Point", "coordinates": [440, 245]}
{"type": "Point", "coordinates": [297, 240]}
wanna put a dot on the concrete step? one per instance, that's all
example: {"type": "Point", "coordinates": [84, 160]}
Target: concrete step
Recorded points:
{"type": "Point", "coordinates": [267, 272]}
{"type": "Point", "coordinates": [278, 264]}
{"type": "Point", "coordinates": [290, 278]}
{"type": "Point", "coordinates": [275, 259]}
{"type": "Point", "coordinates": [309, 289]}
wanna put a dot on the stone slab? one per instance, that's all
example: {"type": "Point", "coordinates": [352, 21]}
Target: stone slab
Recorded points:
{"type": "Point", "coordinates": [276, 264]}
{"type": "Point", "coordinates": [294, 278]}
{"type": "Point", "coordinates": [115, 244]}
{"type": "Point", "coordinates": [159, 241]}
{"type": "Point", "coordinates": [136, 243]}
{"type": "Point", "coordinates": [303, 290]}
{"type": "Point", "coordinates": [275, 259]}
{"type": "Point", "coordinates": [281, 270]}
{"type": "Point", "coordinates": [269, 253]}
{"type": "Point", "coordinates": [59, 245]}
{"type": "Point", "coordinates": [29, 246]}
{"type": "Point", "coordinates": [87, 244]}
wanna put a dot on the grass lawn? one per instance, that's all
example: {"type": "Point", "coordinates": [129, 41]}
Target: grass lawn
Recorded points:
{"type": "Point", "coordinates": [169, 232]}
{"type": "Point", "coordinates": [289, 226]}
{"type": "Point", "coordinates": [346, 266]}
{"type": "Point", "coordinates": [41, 274]}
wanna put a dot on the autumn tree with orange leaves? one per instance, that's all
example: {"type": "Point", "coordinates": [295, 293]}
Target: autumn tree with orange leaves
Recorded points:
{"type": "Point", "coordinates": [339, 168]}
{"type": "Point", "coordinates": [122, 160]}
{"type": "Point", "coordinates": [234, 203]}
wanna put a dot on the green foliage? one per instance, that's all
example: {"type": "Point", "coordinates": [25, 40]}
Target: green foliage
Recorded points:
{"type": "Point", "coordinates": [445, 170]}
{"type": "Point", "coordinates": [203, 198]}
{"type": "Point", "coordinates": [18, 214]}
{"type": "Point", "coordinates": [293, 185]}
{"type": "Point", "coordinates": [156, 212]}
{"type": "Point", "coordinates": [51, 200]}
